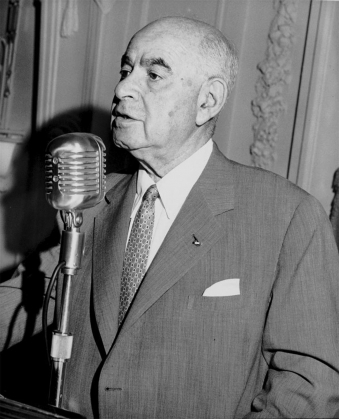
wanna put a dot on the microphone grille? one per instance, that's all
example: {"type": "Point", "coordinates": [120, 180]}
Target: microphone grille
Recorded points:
{"type": "Point", "coordinates": [75, 171]}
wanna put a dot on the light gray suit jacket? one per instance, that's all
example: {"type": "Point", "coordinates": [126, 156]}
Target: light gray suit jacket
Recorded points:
{"type": "Point", "coordinates": [272, 351]}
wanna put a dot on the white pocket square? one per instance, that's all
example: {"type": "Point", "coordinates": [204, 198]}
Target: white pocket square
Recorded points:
{"type": "Point", "coordinates": [223, 288]}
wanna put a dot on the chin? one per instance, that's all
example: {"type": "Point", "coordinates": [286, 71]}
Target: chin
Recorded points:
{"type": "Point", "coordinates": [128, 142]}
{"type": "Point", "coordinates": [121, 141]}
{"type": "Point", "coordinates": [119, 144]}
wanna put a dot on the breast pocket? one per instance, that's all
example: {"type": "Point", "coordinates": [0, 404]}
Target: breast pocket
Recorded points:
{"type": "Point", "coordinates": [217, 304]}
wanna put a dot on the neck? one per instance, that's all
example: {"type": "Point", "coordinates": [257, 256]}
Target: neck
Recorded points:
{"type": "Point", "coordinates": [158, 168]}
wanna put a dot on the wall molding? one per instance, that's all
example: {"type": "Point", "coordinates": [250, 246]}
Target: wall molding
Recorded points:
{"type": "Point", "coordinates": [51, 15]}
{"type": "Point", "coordinates": [317, 97]}
{"type": "Point", "coordinates": [9, 45]}
{"type": "Point", "coordinates": [275, 71]}
{"type": "Point", "coordinates": [94, 55]}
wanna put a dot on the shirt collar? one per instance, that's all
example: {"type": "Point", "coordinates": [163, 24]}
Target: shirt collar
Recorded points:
{"type": "Point", "coordinates": [177, 184]}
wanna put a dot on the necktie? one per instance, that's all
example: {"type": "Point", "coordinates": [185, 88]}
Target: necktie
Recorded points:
{"type": "Point", "coordinates": [137, 250]}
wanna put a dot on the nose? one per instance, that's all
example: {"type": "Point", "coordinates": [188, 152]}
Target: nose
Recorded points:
{"type": "Point", "coordinates": [127, 87]}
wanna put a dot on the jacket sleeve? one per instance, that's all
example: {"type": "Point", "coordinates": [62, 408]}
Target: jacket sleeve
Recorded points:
{"type": "Point", "coordinates": [301, 335]}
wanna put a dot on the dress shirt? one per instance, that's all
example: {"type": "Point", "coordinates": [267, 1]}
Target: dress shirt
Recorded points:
{"type": "Point", "coordinates": [173, 190]}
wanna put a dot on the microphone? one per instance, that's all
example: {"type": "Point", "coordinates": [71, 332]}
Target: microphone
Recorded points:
{"type": "Point", "coordinates": [74, 180]}
{"type": "Point", "coordinates": [75, 171]}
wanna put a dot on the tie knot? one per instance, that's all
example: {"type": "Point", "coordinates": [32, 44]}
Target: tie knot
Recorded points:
{"type": "Point", "coordinates": [151, 194]}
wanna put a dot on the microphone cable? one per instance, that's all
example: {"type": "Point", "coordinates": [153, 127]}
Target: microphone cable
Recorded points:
{"type": "Point", "coordinates": [46, 303]}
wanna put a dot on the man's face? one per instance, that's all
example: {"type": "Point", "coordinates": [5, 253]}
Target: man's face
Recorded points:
{"type": "Point", "coordinates": [155, 104]}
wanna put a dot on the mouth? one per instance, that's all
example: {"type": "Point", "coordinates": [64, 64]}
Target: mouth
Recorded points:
{"type": "Point", "coordinates": [122, 120]}
{"type": "Point", "coordinates": [121, 115]}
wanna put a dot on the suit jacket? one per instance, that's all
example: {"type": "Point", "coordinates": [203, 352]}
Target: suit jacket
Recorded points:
{"type": "Point", "coordinates": [271, 351]}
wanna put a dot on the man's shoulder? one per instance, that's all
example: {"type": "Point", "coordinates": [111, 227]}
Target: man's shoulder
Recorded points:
{"type": "Point", "coordinates": [257, 189]}
{"type": "Point", "coordinates": [267, 199]}
{"type": "Point", "coordinates": [257, 177]}
{"type": "Point", "coordinates": [256, 180]}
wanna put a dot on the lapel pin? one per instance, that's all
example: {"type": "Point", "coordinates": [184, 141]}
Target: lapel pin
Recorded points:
{"type": "Point", "coordinates": [196, 242]}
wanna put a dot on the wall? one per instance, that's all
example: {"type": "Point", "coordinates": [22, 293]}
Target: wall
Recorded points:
{"type": "Point", "coordinates": [315, 150]}
{"type": "Point", "coordinates": [16, 109]}
{"type": "Point", "coordinates": [80, 49]}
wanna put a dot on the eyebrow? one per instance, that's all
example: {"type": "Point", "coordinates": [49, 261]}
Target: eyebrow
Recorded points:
{"type": "Point", "coordinates": [125, 60]}
{"type": "Point", "coordinates": [148, 62]}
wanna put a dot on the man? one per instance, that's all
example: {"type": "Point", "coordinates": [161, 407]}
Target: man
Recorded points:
{"type": "Point", "coordinates": [208, 289]}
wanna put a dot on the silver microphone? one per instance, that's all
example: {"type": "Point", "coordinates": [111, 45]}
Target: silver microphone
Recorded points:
{"type": "Point", "coordinates": [75, 171]}
{"type": "Point", "coordinates": [74, 180]}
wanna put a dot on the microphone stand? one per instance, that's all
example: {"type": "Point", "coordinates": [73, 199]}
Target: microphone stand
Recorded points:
{"type": "Point", "coordinates": [72, 245]}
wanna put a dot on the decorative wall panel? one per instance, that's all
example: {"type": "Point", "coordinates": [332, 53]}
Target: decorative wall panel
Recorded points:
{"type": "Point", "coordinates": [275, 75]}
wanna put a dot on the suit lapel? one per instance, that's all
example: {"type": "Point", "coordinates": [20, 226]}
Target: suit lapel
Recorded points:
{"type": "Point", "coordinates": [110, 234]}
{"type": "Point", "coordinates": [213, 194]}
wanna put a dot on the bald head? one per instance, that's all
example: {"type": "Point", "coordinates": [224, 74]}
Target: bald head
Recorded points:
{"type": "Point", "coordinates": [215, 54]}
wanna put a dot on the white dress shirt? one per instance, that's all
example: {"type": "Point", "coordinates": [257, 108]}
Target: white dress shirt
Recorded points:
{"type": "Point", "coordinates": [173, 190]}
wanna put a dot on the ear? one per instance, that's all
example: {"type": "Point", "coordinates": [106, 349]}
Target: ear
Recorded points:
{"type": "Point", "coordinates": [211, 99]}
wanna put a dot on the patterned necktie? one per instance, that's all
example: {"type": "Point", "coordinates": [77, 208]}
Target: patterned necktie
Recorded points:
{"type": "Point", "coordinates": [136, 254]}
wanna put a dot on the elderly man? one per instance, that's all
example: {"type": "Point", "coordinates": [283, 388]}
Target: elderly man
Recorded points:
{"type": "Point", "coordinates": [209, 289]}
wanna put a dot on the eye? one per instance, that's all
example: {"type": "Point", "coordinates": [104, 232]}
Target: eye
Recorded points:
{"type": "Point", "coordinates": [153, 76]}
{"type": "Point", "coordinates": [124, 73]}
